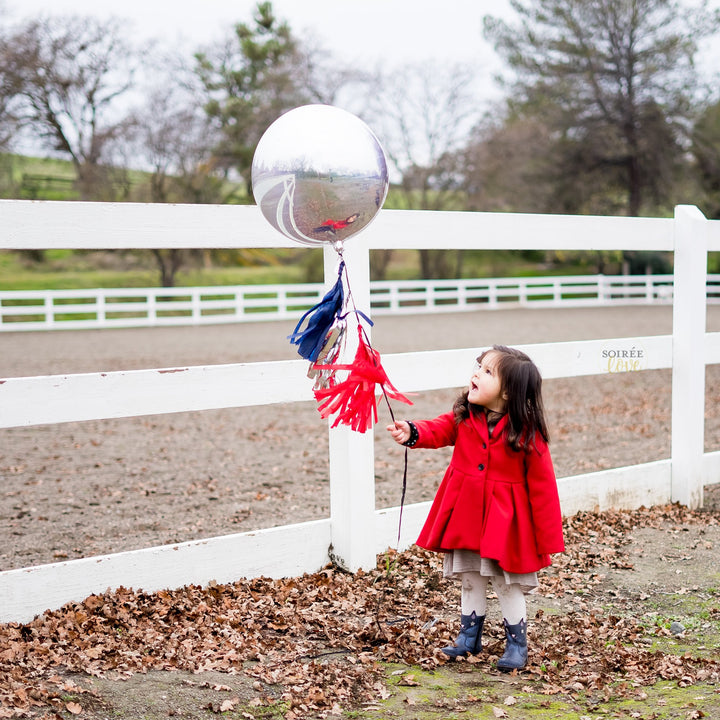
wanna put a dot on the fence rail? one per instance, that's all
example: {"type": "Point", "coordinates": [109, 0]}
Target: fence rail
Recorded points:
{"type": "Point", "coordinates": [155, 307]}
{"type": "Point", "coordinates": [355, 530]}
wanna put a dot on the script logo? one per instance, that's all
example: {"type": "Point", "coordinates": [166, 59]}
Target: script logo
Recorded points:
{"type": "Point", "coordinates": [623, 357]}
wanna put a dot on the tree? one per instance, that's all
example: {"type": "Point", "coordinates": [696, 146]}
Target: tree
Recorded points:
{"type": "Point", "coordinates": [258, 74]}
{"type": "Point", "coordinates": [505, 165]}
{"type": "Point", "coordinates": [174, 140]}
{"type": "Point", "coordinates": [249, 83]}
{"type": "Point", "coordinates": [8, 111]}
{"type": "Point", "coordinates": [614, 81]}
{"type": "Point", "coordinates": [69, 74]}
{"type": "Point", "coordinates": [9, 90]}
{"type": "Point", "coordinates": [422, 114]}
{"type": "Point", "coordinates": [706, 152]}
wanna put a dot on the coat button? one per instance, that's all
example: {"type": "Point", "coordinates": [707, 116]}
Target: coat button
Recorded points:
{"type": "Point", "coordinates": [481, 467]}
{"type": "Point", "coordinates": [484, 446]}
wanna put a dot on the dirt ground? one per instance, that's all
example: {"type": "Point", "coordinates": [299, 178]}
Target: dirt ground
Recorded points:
{"type": "Point", "coordinates": [81, 489]}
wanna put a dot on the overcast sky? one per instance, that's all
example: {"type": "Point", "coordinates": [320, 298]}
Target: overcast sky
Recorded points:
{"type": "Point", "coordinates": [368, 32]}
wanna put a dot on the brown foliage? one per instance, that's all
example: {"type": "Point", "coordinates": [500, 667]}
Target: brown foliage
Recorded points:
{"type": "Point", "coordinates": [314, 642]}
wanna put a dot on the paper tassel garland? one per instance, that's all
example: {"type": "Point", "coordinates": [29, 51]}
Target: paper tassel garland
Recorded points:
{"type": "Point", "coordinates": [320, 319]}
{"type": "Point", "coordinates": [353, 399]}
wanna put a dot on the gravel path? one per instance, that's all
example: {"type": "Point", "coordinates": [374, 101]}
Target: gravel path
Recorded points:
{"type": "Point", "coordinates": [81, 489]}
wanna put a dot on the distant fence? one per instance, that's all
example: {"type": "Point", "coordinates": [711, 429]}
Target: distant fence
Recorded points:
{"type": "Point", "coordinates": [355, 530]}
{"type": "Point", "coordinates": [154, 307]}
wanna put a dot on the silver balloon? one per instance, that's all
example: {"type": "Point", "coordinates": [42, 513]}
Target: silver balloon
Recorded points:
{"type": "Point", "coordinates": [319, 175]}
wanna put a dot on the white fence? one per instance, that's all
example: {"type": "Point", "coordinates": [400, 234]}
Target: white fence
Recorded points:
{"type": "Point", "coordinates": [355, 531]}
{"type": "Point", "coordinates": [155, 307]}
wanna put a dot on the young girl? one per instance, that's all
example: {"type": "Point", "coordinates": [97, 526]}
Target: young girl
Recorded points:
{"type": "Point", "coordinates": [496, 515]}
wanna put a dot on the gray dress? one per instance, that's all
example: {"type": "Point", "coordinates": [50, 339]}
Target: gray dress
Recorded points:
{"type": "Point", "coordinates": [456, 562]}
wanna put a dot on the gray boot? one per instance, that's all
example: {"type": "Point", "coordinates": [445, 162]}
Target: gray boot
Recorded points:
{"type": "Point", "coordinates": [516, 653]}
{"type": "Point", "coordinates": [469, 640]}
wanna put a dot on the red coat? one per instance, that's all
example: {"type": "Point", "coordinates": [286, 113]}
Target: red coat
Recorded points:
{"type": "Point", "coordinates": [497, 502]}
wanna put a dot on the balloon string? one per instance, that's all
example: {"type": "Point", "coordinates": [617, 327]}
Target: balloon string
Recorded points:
{"type": "Point", "coordinates": [365, 335]}
{"type": "Point", "coordinates": [384, 393]}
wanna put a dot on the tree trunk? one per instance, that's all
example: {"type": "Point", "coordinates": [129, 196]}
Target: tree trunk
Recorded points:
{"type": "Point", "coordinates": [168, 265]}
{"type": "Point", "coordinates": [459, 257]}
{"type": "Point", "coordinates": [93, 182]}
{"type": "Point", "coordinates": [434, 264]}
{"type": "Point", "coordinates": [379, 261]}
{"type": "Point", "coordinates": [634, 187]}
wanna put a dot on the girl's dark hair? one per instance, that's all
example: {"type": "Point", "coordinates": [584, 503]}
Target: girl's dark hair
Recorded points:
{"type": "Point", "coordinates": [521, 382]}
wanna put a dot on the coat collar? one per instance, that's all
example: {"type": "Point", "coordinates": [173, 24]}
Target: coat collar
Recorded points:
{"type": "Point", "coordinates": [479, 422]}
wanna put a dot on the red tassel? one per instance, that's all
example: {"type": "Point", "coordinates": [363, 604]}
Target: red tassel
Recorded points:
{"type": "Point", "coordinates": [353, 399]}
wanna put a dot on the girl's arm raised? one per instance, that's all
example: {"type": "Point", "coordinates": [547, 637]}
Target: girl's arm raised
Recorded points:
{"type": "Point", "coordinates": [435, 433]}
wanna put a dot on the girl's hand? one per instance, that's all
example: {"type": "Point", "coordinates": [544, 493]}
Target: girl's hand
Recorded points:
{"type": "Point", "coordinates": [400, 431]}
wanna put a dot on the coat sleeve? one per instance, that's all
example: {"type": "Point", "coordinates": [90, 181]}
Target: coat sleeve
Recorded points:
{"type": "Point", "coordinates": [544, 500]}
{"type": "Point", "coordinates": [436, 433]}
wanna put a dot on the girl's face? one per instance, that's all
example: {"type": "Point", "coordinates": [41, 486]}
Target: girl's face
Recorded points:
{"type": "Point", "coordinates": [485, 386]}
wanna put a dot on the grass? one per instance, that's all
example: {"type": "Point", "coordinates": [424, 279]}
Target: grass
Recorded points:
{"type": "Point", "coordinates": [31, 178]}
{"type": "Point", "coordinates": [63, 269]}
{"type": "Point", "coordinates": [698, 612]}
{"type": "Point", "coordinates": [66, 269]}
{"type": "Point", "coordinates": [464, 692]}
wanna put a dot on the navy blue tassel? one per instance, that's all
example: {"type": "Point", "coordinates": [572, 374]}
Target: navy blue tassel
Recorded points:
{"type": "Point", "coordinates": [320, 319]}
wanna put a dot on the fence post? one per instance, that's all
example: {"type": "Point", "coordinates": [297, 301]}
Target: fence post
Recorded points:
{"type": "Point", "coordinates": [394, 299]}
{"type": "Point", "coordinates": [522, 292]}
{"type": "Point", "coordinates": [100, 313]}
{"type": "Point", "coordinates": [48, 309]}
{"type": "Point", "coordinates": [492, 294]}
{"type": "Point", "coordinates": [195, 311]}
{"type": "Point", "coordinates": [462, 294]}
{"type": "Point", "coordinates": [351, 454]}
{"type": "Point", "coordinates": [151, 300]}
{"type": "Point", "coordinates": [688, 356]}
{"type": "Point", "coordinates": [239, 302]}
{"type": "Point", "coordinates": [649, 288]}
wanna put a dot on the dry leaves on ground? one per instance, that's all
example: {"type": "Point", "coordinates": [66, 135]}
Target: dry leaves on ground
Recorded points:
{"type": "Point", "coordinates": [313, 643]}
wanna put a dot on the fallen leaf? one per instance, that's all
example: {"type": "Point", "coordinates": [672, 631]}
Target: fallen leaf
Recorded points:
{"type": "Point", "coordinates": [322, 639]}
{"type": "Point", "coordinates": [408, 681]}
